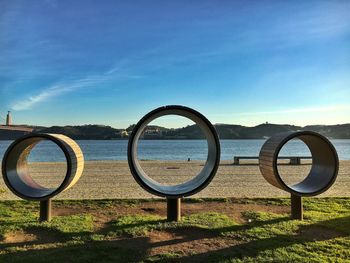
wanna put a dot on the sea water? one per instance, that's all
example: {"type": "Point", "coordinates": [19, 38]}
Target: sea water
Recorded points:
{"type": "Point", "coordinates": [170, 149]}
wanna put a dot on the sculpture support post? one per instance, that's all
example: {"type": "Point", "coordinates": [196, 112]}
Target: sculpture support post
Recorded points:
{"type": "Point", "coordinates": [18, 179]}
{"type": "Point", "coordinates": [322, 175]}
{"type": "Point", "coordinates": [45, 210]}
{"type": "Point", "coordinates": [296, 207]}
{"type": "Point", "coordinates": [173, 209]}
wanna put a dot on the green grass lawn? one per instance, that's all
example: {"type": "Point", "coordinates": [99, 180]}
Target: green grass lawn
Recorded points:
{"type": "Point", "coordinates": [323, 236]}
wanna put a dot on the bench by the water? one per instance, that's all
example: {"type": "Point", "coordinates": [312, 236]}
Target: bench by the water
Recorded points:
{"type": "Point", "coordinates": [293, 159]}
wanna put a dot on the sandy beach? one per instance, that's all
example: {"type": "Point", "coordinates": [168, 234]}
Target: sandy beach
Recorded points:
{"type": "Point", "coordinates": [112, 179]}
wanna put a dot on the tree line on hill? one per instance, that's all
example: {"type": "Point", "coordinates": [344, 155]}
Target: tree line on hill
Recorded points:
{"type": "Point", "coordinates": [225, 131]}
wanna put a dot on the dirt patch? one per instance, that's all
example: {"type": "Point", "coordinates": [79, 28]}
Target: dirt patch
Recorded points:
{"type": "Point", "coordinates": [30, 236]}
{"type": "Point", "coordinates": [186, 241]}
{"type": "Point", "coordinates": [318, 233]}
{"type": "Point", "coordinates": [19, 237]}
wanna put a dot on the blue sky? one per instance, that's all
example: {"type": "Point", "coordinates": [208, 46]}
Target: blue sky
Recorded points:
{"type": "Point", "coordinates": [110, 62]}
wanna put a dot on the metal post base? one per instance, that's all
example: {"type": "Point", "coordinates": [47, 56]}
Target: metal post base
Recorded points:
{"type": "Point", "coordinates": [45, 211]}
{"type": "Point", "coordinates": [173, 209]}
{"type": "Point", "coordinates": [296, 207]}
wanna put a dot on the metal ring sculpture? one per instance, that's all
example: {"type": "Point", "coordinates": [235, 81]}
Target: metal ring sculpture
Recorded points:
{"type": "Point", "coordinates": [325, 163]}
{"type": "Point", "coordinates": [15, 166]}
{"type": "Point", "coordinates": [192, 186]}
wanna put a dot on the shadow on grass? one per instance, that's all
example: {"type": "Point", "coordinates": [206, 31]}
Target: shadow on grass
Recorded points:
{"type": "Point", "coordinates": [130, 229]}
{"type": "Point", "coordinates": [42, 235]}
{"type": "Point", "coordinates": [253, 248]}
{"type": "Point", "coordinates": [125, 249]}
{"type": "Point", "coordinates": [93, 251]}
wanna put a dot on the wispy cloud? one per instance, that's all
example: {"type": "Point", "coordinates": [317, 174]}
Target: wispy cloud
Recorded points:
{"type": "Point", "coordinates": [114, 73]}
{"type": "Point", "coordinates": [44, 95]}
{"type": "Point", "coordinates": [58, 89]}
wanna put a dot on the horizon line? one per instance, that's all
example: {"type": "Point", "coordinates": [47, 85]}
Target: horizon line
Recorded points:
{"type": "Point", "coordinates": [215, 124]}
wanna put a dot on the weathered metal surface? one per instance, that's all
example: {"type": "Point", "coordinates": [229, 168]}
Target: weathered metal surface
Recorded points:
{"type": "Point", "coordinates": [296, 207]}
{"type": "Point", "coordinates": [15, 166]}
{"type": "Point", "coordinates": [190, 187]}
{"type": "Point", "coordinates": [173, 209]}
{"type": "Point", "coordinates": [45, 210]}
{"type": "Point", "coordinates": [325, 163]}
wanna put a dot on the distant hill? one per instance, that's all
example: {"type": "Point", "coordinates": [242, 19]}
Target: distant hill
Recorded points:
{"type": "Point", "coordinates": [85, 132]}
{"type": "Point", "coordinates": [340, 131]}
{"type": "Point", "coordinates": [258, 132]}
{"type": "Point", "coordinates": [225, 131]}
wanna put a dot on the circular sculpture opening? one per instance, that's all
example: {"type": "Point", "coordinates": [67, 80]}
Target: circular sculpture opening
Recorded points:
{"type": "Point", "coordinates": [47, 164]}
{"type": "Point", "coordinates": [187, 188]}
{"type": "Point", "coordinates": [324, 167]}
{"type": "Point", "coordinates": [294, 161]}
{"type": "Point", "coordinates": [164, 153]}
{"type": "Point", "coordinates": [16, 172]}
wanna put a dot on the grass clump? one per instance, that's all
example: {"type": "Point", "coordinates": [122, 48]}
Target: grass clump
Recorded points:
{"type": "Point", "coordinates": [71, 224]}
{"type": "Point", "coordinates": [135, 225]}
{"type": "Point", "coordinates": [165, 257]}
{"type": "Point", "coordinates": [23, 215]}
{"type": "Point", "coordinates": [141, 225]}
{"type": "Point", "coordinates": [209, 220]}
